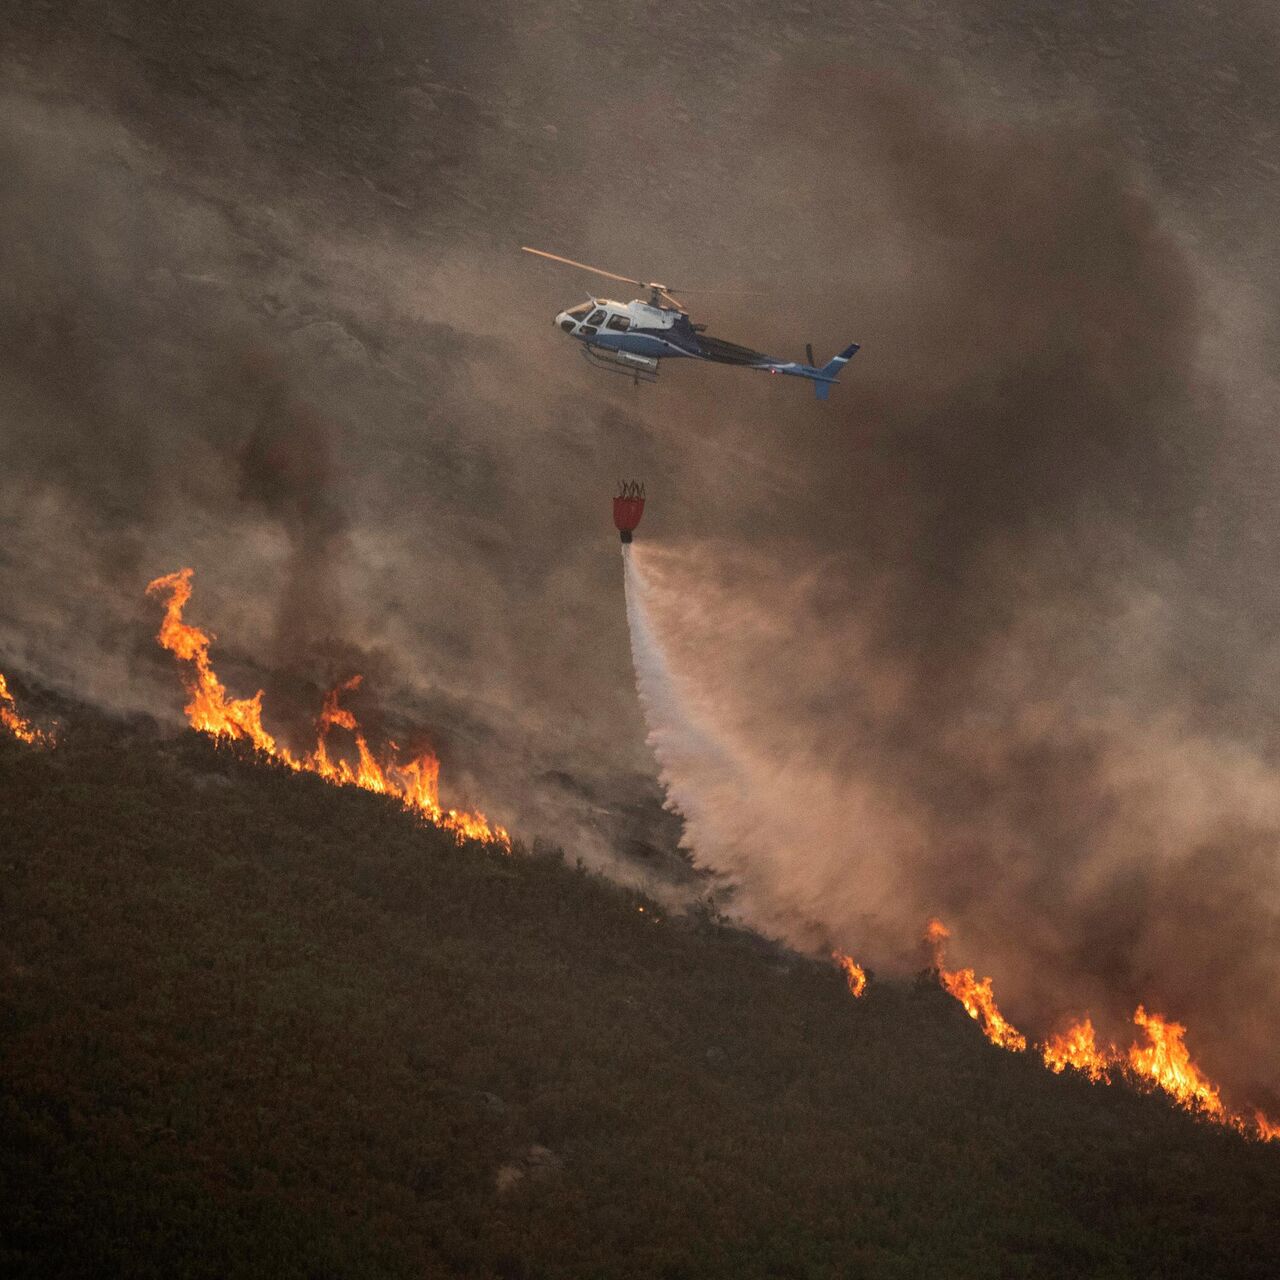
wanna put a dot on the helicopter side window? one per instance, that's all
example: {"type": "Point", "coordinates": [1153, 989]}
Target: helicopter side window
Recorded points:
{"type": "Point", "coordinates": [597, 316]}
{"type": "Point", "coordinates": [619, 323]}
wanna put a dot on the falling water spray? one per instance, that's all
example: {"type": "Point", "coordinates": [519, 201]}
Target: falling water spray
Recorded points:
{"type": "Point", "coordinates": [674, 735]}
{"type": "Point", "coordinates": [699, 773]}
{"type": "Point", "coordinates": [706, 778]}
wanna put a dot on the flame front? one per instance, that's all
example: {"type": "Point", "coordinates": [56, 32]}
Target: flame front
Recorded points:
{"type": "Point", "coordinates": [854, 973]}
{"type": "Point", "coordinates": [1077, 1047]}
{"type": "Point", "coordinates": [1268, 1130]}
{"type": "Point", "coordinates": [1163, 1062]}
{"type": "Point", "coordinates": [21, 728]}
{"type": "Point", "coordinates": [980, 1003]}
{"type": "Point", "coordinates": [209, 710]}
{"type": "Point", "coordinates": [976, 995]}
{"type": "Point", "coordinates": [413, 781]}
{"type": "Point", "coordinates": [1166, 1062]}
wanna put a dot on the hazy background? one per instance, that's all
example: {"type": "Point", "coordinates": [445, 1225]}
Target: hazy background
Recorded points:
{"type": "Point", "coordinates": [992, 632]}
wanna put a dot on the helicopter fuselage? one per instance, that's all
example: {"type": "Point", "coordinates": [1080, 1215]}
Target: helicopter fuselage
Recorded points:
{"type": "Point", "coordinates": [633, 336]}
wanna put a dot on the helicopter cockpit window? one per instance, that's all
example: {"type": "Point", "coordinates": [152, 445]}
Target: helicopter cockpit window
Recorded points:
{"type": "Point", "coordinates": [579, 313]}
{"type": "Point", "coordinates": [620, 323]}
{"type": "Point", "coordinates": [597, 316]}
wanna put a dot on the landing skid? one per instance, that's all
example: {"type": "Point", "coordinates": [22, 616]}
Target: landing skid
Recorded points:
{"type": "Point", "coordinates": [610, 365]}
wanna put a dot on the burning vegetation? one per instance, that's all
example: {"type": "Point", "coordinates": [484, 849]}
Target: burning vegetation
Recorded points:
{"type": "Point", "coordinates": [16, 724]}
{"type": "Point", "coordinates": [976, 996]}
{"type": "Point", "coordinates": [1164, 1062]}
{"type": "Point", "coordinates": [854, 973]}
{"type": "Point", "coordinates": [411, 779]}
{"type": "Point", "coordinates": [1077, 1047]}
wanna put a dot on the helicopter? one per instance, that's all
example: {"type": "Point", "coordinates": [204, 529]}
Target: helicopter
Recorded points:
{"type": "Point", "coordinates": [632, 337]}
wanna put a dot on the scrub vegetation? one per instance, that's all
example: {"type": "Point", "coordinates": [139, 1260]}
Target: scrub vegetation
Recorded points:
{"type": "Point", "coordinates": [258, 1026]}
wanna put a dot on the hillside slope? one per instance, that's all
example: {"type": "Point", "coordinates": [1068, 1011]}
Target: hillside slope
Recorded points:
{"type": "Point", "coordinates": [254, 1025]}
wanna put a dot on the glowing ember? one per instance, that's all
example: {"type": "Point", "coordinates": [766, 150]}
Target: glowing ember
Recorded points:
{"type": "Point", "coordinates": [1076, 1047]}
{"type": "Point", "coordinates": [21, 728]}
{"type": "Point", "coordinates": [854, 973]}
{"type": "Point", "coordinates": [976, 996]}
{"type": "Point", "coordinates": [414, 781]}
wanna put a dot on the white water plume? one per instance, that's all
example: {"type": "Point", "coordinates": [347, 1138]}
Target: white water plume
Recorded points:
{"type": "Point", "coordinates": [751, 818]}
{"type": "Point", "coordinates": [682, 746]}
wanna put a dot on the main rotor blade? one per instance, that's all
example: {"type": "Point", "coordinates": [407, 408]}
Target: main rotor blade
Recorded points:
{"type": "Point", "coordinates": [722, 293]}
{"type": "Point", "coordinates": [555, 257]}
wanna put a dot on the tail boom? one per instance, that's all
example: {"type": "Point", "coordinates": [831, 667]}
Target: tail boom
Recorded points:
{"type": "Point", "coordinates": [823, 377]}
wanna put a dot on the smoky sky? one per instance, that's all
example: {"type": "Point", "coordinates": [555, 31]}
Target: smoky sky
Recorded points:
{"type": "Point", "coordinates": [991, 632]}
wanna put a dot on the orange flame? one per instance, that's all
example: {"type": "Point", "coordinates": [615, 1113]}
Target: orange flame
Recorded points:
{"type": "Point", "coordinates": [21, 728]}
{"type": "Point", "coordinates": [980, 1003]}
{"type": "Point", "coordinates": [209, 710]}
{"type": "Point", "coordinates": [1166, 1062]}
{"type": "Point", "coordinates": [976, 995]}
{"type": "Point", "coordinates": [413, 781]}
{"type": "Point", "coordinates": [854, 973]}
{"type": "Point", "coordinates": [1076, 1047]}
{"type": "Point", "coordinates": [935, 934]}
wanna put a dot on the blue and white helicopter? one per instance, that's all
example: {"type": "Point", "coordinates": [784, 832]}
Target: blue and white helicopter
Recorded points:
{"type": "Point", "coordinates": [632, 337]}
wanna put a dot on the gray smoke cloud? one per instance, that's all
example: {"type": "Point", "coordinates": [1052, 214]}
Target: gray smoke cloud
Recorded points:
{"type": "Point", "coordinates": [968, 656]}
{"type": "Point", "coordinates": [988, 635]}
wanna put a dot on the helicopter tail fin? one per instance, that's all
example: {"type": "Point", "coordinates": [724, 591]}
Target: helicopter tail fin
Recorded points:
{"type": "Point", "coordinates": [830, 371]}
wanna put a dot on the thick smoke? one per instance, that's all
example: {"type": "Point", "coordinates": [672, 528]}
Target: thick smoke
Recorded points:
{"type": "Point", "coordinates": [988, 635]}
{"type": "Point", "coordinates": [1090, 855]}
{"type": "Point", "coordinates": [286, 468]}
{"type": "Point", "coordinates": [241, 334]}
{"type": "Point", "coordinates": [964, 653]}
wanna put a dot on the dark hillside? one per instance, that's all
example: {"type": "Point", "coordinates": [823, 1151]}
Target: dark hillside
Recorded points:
{"type": "Point", "coordinates": [256, 1026]}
